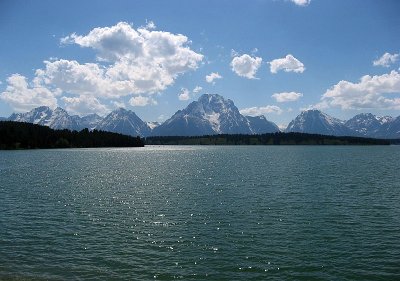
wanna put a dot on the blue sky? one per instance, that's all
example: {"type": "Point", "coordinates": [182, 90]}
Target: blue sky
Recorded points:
{"type": "Point", "coordinates": [271, 57]}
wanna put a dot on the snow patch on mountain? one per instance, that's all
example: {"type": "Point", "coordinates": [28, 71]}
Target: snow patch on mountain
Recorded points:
{"type": "Point", "coordinates": [124, 122]}
{"type": "Point", "coordinates": [213, 118]}
{"type": "Point", "coordinates": [316, 122]}
{"type": "Point", "coordinates": [210, 114]}
{"type": "Point", "coordinates": [153, 124]}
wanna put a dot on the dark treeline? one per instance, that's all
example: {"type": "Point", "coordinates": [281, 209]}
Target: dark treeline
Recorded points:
{"type": "Point", "coordinates": [266, 139]}
{"type": "Point", "coordinates": [18, 135]}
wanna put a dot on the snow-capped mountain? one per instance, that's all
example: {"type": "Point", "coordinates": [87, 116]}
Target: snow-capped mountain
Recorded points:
{"type": "Point", "coordinates": [316, 122]}
{"type": "Point", "coordinates": [260, 125]}
{"type": "Point", "coordinates": [153, 124]}
{"type": "Point", "coordinates": [119, 121]}
{"type": "Point", "coordinates": [60, 119]}
{"type": "Point", "coordinates": [37, 115]}
{"type": "Point", "coordinates": [211, 114]}
{"type": "Point", "coordinates": [90, 121]}
{"type": "Point", "coordinates": [43, 115]}
{"type": "Point", "coordinates": [367, 124]}
{"type": "Point", "coordinates": [391, 129]}
{"type": "Point", "coordinates": [124, 122]}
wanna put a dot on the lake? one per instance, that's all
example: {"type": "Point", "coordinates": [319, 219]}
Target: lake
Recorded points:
{"type": "Point", "coordinates": [201, 213]}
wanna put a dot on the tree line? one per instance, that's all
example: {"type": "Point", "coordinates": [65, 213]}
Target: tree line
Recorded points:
{"type": "Point", "coordinates": [19, 135]}
{"type": "Point", "coordinates": [265, 139]}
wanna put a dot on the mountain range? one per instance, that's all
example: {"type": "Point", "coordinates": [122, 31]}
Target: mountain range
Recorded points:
{"type": "Point", "coordinates": [210, 115]}
{"type": "Point", "coordinates": [362, 125]}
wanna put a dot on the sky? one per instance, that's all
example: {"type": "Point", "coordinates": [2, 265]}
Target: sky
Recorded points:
{"type": "Point", "coordinates": [271, 57]}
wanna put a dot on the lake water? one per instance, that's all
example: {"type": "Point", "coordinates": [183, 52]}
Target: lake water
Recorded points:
{"type": "Point", "coordinates": [201, 213]}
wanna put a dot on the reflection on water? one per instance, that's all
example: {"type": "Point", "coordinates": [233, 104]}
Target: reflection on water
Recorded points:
{"type": "Point", "coordinates": [196, 212]}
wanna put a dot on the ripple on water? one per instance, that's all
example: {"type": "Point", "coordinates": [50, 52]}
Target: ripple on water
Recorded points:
{"type": "Point", "coordinates": [230, 213]}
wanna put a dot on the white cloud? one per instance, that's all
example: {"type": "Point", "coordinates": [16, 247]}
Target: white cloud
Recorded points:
{"type": "Point", "coordinates": [22, 96]}
{"type": "Point", "coordinates": [149, 61]}
{"type": "Point", "coordinates": [141, 46]}
{"type": "Point", "coordinates": [386, 60]}
{"type": "Point", "coordinates": [370, 92]}
{"type": "Point", "coordinates": [130, 62]}
{"type": "Point", "coordinates": [301, 2]}
{"type": "Point", "coordinates": [282, 127]}
{"type": "Point", "coordinates": [84, 105]}
{"type": "Point", "coordinates": [184, 94]}
{"type": "Point", "coordinates": [142, 101]}
{"type": "Point", "coordinates": [246, 66]}
{"type": "Point", "coordinates": [288, 64]}
{"type": "Point", "coordinates": [150, 25]}
{"type": "Point", "coordinates": [287, 96]}
{"type": "Point", "coordinates": [212, 76]}
{"type": "Point", "coordinates": [83, 79]}
{"type": "Point", "coordinates": [234, 53]}
{"type": "Point", "coordinates": [320, 106]}
{"type": "Point", "coordinates": [255, 111]}
{"type": "Point", "coordinates": [197, 89]}
{"type": "Point", "coordinates": [118, 104]}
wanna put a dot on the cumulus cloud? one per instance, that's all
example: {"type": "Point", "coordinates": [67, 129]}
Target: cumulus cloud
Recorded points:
{"type": "Point", "coordinates": [256, 111]}
{"type": "Point", "coordinates": [302, 3]}
{"type": "Point", "coordinates": [142, 101]}
{"type": "Point", "coordinates": [184, 94]}
{"type": "Point", "coordinates": [150, 25]}
{"type": "Point", "coordinates": [287, 96]}
{"type": "Point", "coordinates": [118, 104]}
{"type": "Point", "coordinates": [115, 81]}
{"type": "Point", "coordinates": [213, 76]}
{"type": "Point", "coordinates": [369, 92]}
{"type": "Point", "coordinates": [150, 60]}
{"type": "Point", "coordinates": [130, 62]}
{"type": "Point", "coordinates": [84, 105]}
{"type": "Point", "coordinates": [197, 89]}
{"type": "Point", "coordinates": [386, 60]}
{"type": "Point", "coordinates": [24, 96]}
{"type": "Point", "coordinates": [83, 79]}
{"type": "Point", "coordinates": [246, 66]}
{"type": "Point", "coordinates": [149, 49]}
{"type": "Point", "coordinates": [288, 64]}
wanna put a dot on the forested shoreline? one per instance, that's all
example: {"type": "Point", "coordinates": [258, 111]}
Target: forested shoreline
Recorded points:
{"type": "Point", "coordinates": [267, 139]}
{"type": "Point", "coordinates": [19, 135]}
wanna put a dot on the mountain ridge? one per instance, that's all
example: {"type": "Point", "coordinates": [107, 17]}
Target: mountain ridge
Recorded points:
{"type": "Point", "coordinates": [314, 121]}
{"type": "Point", "coordinates": [211, 115]}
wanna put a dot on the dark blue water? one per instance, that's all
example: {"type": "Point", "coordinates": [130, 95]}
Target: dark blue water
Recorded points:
{"type": "Point", "coordinates": [201, 213]}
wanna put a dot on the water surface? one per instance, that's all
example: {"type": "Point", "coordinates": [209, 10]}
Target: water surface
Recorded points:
{"type": "Point", "coordinates": [195, 213]}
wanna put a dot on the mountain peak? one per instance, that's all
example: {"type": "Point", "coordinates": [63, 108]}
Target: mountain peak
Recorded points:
{"type": "Point", "coordinates": [121, 109]}
{"type": "Point", "coordinates": [41, 108]}
{"type": "Point", "coordinates": [125, 122]}
{"type": "Point", "coordinates": [213, 114]}
{"type": "Point", "coordinates": [367, 124]}
{"type": "Point", "coordinates": [208, 98]}
{"type": "Point", "coordinates": [312, 111]}
{"type": "Point", "coordinates": [92, 115]}
{"type": "Point", "coordinates": [314, 121]}
{"type": "Point", "coordinates": [210, 114]}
